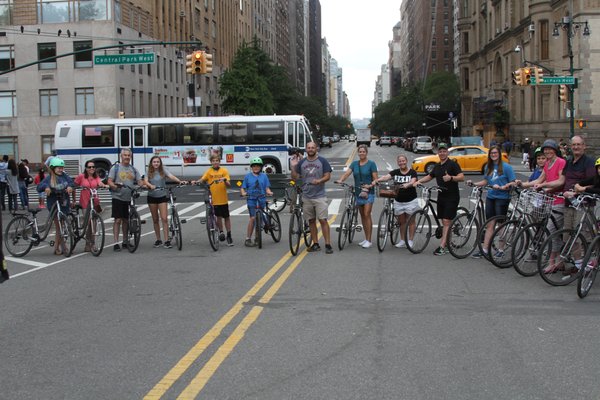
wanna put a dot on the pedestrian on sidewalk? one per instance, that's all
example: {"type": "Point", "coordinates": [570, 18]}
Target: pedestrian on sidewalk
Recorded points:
{"type": "Point", "coordinates": [38, 178]}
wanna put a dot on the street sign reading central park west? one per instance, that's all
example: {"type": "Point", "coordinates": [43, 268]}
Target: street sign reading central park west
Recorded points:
{"type": "Point", "coordinates": [112, 59]}
{"type": "Point", "coordinates": [555, 80]}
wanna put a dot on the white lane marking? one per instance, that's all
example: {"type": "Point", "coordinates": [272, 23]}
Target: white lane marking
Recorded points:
{"type": "Point", "coordinates": [334, 206]}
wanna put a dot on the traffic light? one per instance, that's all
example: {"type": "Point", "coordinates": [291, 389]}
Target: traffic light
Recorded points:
{"type": "Point", "coordinates": [208, 63]}
{"type": "Point", "coordinates": [526, 76]}
{"type": "Point", "coordinates": [517, 78]}
{"type": "Point", "coordinates": [581, 123]}
{"type": "Point", "coordinates": [539, 75]}
{"type": "Point", "coordinates": [563, 93]}
{"type": "Point", "coordinates": [194, 62]}
{"type": "Point", "coordinates": [189, 63]}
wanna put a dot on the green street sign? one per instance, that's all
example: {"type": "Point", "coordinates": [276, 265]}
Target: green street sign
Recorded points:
{"type": "Point", "coordinates": [555, 80]}
{"type": "Point", "coordinates": [112, 59]}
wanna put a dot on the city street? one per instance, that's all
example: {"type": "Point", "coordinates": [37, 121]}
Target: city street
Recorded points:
{"type": "Point", "coordinates": [249, 323]}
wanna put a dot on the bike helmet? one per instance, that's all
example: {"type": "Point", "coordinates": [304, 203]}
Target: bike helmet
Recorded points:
{"type": "Point", "coordinates": [57, 162]}
{"type": "Point", "coordinates": [551, 144]}
{"type": "Point", "coordinates": [598, 162]}
{"type": "Point", "coordinates": [256, 161]}
{"type": "Point", "coordinates": [538, 151]}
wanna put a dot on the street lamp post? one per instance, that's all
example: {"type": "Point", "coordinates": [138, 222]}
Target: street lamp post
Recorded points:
{"type": "Point", "coordinates": [571, 27]}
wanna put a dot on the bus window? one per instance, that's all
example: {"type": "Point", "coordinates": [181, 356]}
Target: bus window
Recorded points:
{"type": "Point", "coordinates": [301, 133]}
{"type": "Point", "coordinates": [198, 134]}
{"type": "Point", "coordinates": [98, 136]}
{"type": "Point", "coordinates": [124, 132]}
{"type": "Point", "coordinates": [290, 133]}
{"type": "Point", "coordinates": [267, 133]}
{"type": "Point", "coordinates": [233, 133]}
{"type": "Point", "coordinates": [162, 135]}
{"type": "Point", "coordinates": [138, 136]}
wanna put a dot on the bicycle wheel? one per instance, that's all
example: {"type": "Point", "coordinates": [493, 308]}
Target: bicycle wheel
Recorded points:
{"type": "Point", "coordinates": [501, 242]}
{"type": "Point", "coordinates": [18, 236]}
{"type": "Point", "coordinates": [175, 227]}
{"type": "Point", "coordinates": [133, 231]}
{"type": "Point", "coordinates": [96, 226]}
{"type": "Point", "coordinates": [274, 225]}
{"type": "Point", "coordinates": [306, 232]}
{"type": "Point", "coordinates": [66, 232]}
{"type": "Point", "coordinates": [258, 226]}
{"type": "Point", "coordinates": [352, 227]}
{"type": "Point", "coordinates": [382, 229]}
{"type": "Point", "coordinates": [344, 229]}
{"type": "Point", "coordinates": [212, 230]}
{"type": "Point", "coordinates": [558, 266]}
{"type": "Point", "coordinates": [462, 235]}
{"type": "Point", "coordinates": [295, 231]}
{"type": "Point", "coordinates": [278, 204]}
{"type": "Point", "coordinates": [590, 268]}
{"type": "Point", "coordinates": [394, 229]}
{"type": "Point", "coordinates": [422, 235]}
{"type": "Point", "coordinates": [527, 246]}
{"type": "Point", "coordinates": [493, 222]}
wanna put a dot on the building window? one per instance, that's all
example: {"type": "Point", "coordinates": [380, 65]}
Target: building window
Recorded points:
{"type": "Point", "coordinates": [48, 102]}
{"type": "Point", "coordinates": [52, 11]}
{"type": "Point", "coordinates": [133, 104]}
{"type": "Point", "coordinates": [83, 59]}
{"type": "Point", "coordinates": [47, 146]}
{"type": "Point", "coordinates": [433, 54]}
{"type": "Point", "coordinates": [8, 104]}
{"type": "Point", "coordinates": [465, 43]}
{"type": "Point", "coordinates": [157, 66]}
{"type": "Point", "coordinates": [122, 99]}
{"type": "Point", "coordinates": [9, 146]}
{"type": "Point", "coordinates": [84, 101]}
{"type": "Point", "coordinates": [544, 41]}
{"type": "Point", "coordinates": [7, 57]}
{"type": "Point", "coordinates": [141, 103]}
{"type": "Point", "coordinates": [466, 79]}
{"type": "Point", "coordinates": [446, 29]}
{"type": "Point", "coordinates": [46, 50]}
{"type": "Point", "coordinates": [6, 12]}
{"type": "Point", "coordinates": [93, 10]}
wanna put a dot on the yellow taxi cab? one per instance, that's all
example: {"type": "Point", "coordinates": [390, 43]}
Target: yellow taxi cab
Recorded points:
{"type": "Point", "coordinates": [470, 159]}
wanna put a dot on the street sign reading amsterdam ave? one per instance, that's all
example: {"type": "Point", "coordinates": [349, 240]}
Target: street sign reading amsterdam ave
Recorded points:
{"type": "Point", "coordinates": [112, 59]}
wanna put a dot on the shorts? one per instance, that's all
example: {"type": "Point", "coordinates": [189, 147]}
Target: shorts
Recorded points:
{"type": "Point", "coordinates": [494, 207]}
{"type": "Point", "coordinates": [120, 209]}
{"type": "Point", "coordinates": [157, 200]}
{"type": "Point", "coordinates": [315, 208]}
{"type": "Point", "coordinates": [252, 207]}
{"type": "Point", "coordinates": [446, 209]}
{"type": "Point", "coordinates": [406, 207]}
{"type": "Point", "coordinates": [222, 210]}
{"type": "Point", "coordinates": [369, 200]}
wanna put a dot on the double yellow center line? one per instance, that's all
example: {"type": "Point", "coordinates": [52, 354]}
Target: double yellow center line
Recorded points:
{"type": "Point", "coordinates": [211, 366]}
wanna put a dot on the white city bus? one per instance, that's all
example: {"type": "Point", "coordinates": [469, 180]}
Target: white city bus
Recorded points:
{"type": "Point", "coordinates": [184, 144]}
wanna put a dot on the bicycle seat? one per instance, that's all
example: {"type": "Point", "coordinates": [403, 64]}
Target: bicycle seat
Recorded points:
{"type": "Point", "coordinates": [34, 211]}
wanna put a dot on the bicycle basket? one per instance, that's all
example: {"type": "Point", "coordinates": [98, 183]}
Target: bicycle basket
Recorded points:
{"type": "Point", "coordinates": [536, 204]}
{"type": "Point", "coordinates": [386, 190]}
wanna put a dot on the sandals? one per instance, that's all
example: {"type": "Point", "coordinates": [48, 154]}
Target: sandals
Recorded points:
{"type": "Point", "coordinates": [58, 252]}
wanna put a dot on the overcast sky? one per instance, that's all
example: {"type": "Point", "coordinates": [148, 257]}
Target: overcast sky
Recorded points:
{"type": "Point", "coordinates": [357, 33]}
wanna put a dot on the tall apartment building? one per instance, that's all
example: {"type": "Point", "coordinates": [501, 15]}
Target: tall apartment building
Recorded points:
{"type": "Point", "coordinates": [297, 64]}
{"type": "Point", "coordinates": [316, 85]}
{"type": "Point", "coordinates": [490, 31]}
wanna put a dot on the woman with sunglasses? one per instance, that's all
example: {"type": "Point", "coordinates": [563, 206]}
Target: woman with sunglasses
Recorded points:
{"type": "Point", "coordinates": [90, 179]}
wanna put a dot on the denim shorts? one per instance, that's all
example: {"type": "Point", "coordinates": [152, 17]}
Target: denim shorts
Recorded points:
{"type": "Point", "coordinates": [369, 200]}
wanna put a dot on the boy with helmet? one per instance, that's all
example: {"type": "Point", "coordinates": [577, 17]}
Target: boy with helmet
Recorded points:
{"type": "Point", "coordinates": [255, 186]}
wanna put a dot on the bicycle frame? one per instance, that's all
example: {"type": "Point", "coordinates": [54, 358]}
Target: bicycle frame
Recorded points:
{"type": "Point", "coordinates": [349, 223]}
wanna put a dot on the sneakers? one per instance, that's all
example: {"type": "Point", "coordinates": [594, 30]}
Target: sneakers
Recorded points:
{"type": "Point", "coordinates": [478, 254]}
{"type": "Point", "coordinates": [167, 244]}
{"type": "Point", "coordinates": [440, 251]}
{"type": "Point", "coordinates": [363, 242]}
{"type": "Point", "coordinates": [158, 243]}
{"type": "Point", "coordinates": [410, 243]}
{"type": "Point", "coordinates": [367, 245]}
{"type": "Point", "coordinates": [249, 243]}
{"type": "Point", "coordinates": [328, 249]}
{"type": "Point", "coordinates": [229, 241]}
{"type": "Point", "coordinates": [499, 254]}
{"type": "Point", "coordinates": [125, 245]}
{"type": "Point", "coordinates": [221, 237]}
{"type": "Point", "coordinates": [401, 244]}
{"type": "Point", "coordinates": [116, 247]}
{"type": "Point", "coordinates": [315, 247]}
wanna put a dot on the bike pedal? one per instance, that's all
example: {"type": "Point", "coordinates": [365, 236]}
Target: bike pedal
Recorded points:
{"type": "Point", "coordinates": [51, 243]}
{"type": "Point", "coordinates": [143, 221]}
{"type": "Point", "coordinates": [183, 221]}
{"type": "Point", "coordinates": [359, 228]}
{"type": "Point", "coordinates": [203, 220]}
{"type": "Point", "coordinates": [338, 229]}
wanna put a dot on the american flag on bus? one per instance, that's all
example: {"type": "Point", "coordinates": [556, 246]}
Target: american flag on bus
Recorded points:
{"type": "Point", "coordinates": [93, 131]}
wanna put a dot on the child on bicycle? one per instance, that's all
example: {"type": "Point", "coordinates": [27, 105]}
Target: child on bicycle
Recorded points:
{"type": "Point", "coordinates": [90, 179]}
{"type": "Point", "coordinates": [218, 179]}
{"type": "Point", "coordinates": [255, 185]}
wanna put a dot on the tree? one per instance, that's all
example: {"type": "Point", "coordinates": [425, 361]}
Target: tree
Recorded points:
{"type": "Point", "coordinates": [442, 88]}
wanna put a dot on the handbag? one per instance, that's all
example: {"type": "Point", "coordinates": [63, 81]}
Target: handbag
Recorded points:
{"type": "Point", "coordinates": [28, 180]}
{"type": "Point", "coordinates": [97, 206]}
{"type": "Point", "coordinates": [388, 191]}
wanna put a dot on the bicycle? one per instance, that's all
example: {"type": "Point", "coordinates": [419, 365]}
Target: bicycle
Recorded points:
{"type": "Point", "coordinates": [572, 239]}
{"type": "Point", "coordinates": [298, 225]}
{"type": "Point", "coordinates": [87, 224]}
{"type": "Point", "coordinates": [23, 232]}
{"type": "Point", "coordinates": [388, 225]}
{"type": "Point", "coordinates": [422, 222]}
{"type": "Point", "coordinates": [175, 231]}
{"type": "Point", "coordinates": [212, 227]}
{"type": "Point", "coordinates": [134, 222]}
{"type": "Point", "coordinates": [466, 226]}
{"type": "Point", "coordinates": [590, 265]}
{"type": "Point", "coordinates": [349, 223]}
{"type": "Point", "coordinates": [267, 219]}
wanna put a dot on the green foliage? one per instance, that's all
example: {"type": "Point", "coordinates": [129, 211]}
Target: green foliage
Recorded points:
{"type": "Point", "coordinates": [442, 88]}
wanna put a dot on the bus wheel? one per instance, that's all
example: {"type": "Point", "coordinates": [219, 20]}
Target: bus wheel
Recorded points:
{"type": "Point", "coordinates": [271, 167]}
{"type": "Point", "coordinates": [102, 169]}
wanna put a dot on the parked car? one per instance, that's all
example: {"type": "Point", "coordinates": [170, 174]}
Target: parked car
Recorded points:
{"type": "Point", "coordinates": [470, 159]}
{"type": "Point", "coordinates": [423, 143]}
{"type": "Point", "coordinates": [385, 141]}
{"type": "Point", "coordinates": [326, 141]}
{"type": "Point", "coordinates": [352, 138]}
{"type": "Point", "coordinates": [336, 138]}
{"type": "Point", "coordinates": [395, 140]}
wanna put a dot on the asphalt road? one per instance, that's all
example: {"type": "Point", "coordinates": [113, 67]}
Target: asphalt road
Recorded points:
{"type": "Point", "coordinates": [244, 323]}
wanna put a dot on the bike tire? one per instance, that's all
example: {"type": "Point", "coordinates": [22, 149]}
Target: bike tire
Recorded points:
{"type": "Point", "coordinates": [352, 228]}
{"type": "Point", "coordinates": [589, 268]}
{"type": "Point", "coordinates": [278, 204]}
{"type": "Point", "coordinates": [258, 222]}
{"type": "Point", "coordinates": [295, 231]}
{"type": "Point", "coordinates": [463, 235]}
{"type": "Point", "coordinates": [495, 221]}
{"type": "Point", "coordinates": [527, 247]}
{"type": "Point", "coordinates": [343, 232]}
{"type": "Point", "coordinates": [561, 276]}
{"type": "Point", "coordinates": [394, 229]}
{"type": "Point", "coordinates": [382, 229]}
{"type": "Point", "coordinates": [212, 230]}
{"type": "Point", "coordinates": [275, 225]}
{"type": "Point", "coordinates": [98, 237]}
{"type": "Point", "coordinates": [18, 236]}
{"type": "Point", "coordinates": [134, 229]}
{"type": "Point", "coordinates": [306, 232]}
{"type": "Point", "coordinates": [422, 234]}
{"type": "Point", "coordinates": [176, 229]}
{"type": "Point", "coordinates": [66, 232]}
{"type": "Point", "coordinates": [499, 248]}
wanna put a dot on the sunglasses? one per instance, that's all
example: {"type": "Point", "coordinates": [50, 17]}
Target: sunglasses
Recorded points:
{"type": "Point", "coordinates": [91, 167]}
